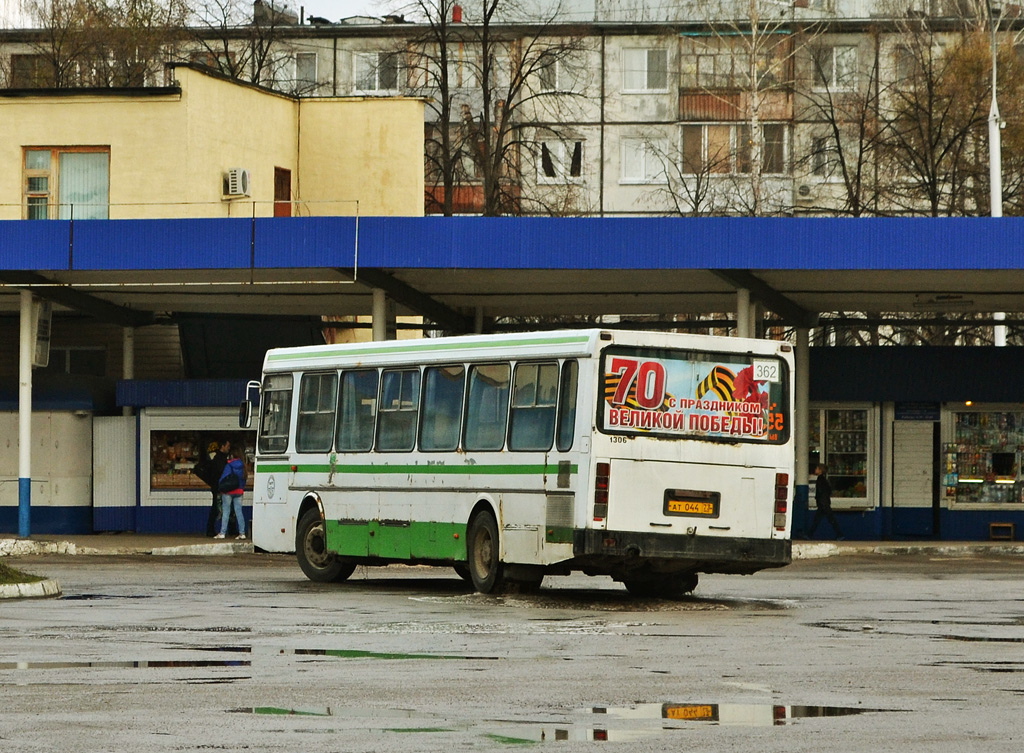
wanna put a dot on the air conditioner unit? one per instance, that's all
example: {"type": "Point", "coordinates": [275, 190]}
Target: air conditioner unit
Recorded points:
{"type": "Point", "coordinates": [236, 182]}
{"type": "Point", "coordinates": [805, 194]}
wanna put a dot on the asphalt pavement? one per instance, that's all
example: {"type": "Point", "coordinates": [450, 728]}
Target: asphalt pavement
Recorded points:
{"type": "Point", "coordinates": [195, 545]}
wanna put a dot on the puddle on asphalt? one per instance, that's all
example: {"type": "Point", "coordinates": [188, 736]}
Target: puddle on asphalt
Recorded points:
{"type": "Point", "coordinates": [123, 664]}
{"type": "Point", "coordinates": [334, 653]}
{"type": "Point", "coordinates": [96, 597]}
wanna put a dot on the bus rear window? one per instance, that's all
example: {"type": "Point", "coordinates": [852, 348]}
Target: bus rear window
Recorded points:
{"type": "Point", "coordinates": [736, 397]}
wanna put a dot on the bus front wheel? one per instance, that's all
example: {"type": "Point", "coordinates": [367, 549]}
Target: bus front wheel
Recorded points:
{"type": "Point", "coordinates": [316, 561]}
{"type": "Point", "coordinates": [483, 553]}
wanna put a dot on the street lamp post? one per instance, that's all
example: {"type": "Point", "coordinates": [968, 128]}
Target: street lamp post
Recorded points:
{"type": "Point", "coordinates": [994, 124]}
{"type": "Point", "coordinates": [995, 157]}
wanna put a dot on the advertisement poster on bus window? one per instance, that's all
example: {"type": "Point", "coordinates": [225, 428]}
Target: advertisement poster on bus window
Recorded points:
{"type": "Point", "coordinates": [718, 396]}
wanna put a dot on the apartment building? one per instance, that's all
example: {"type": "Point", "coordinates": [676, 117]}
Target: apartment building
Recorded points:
{"type": "Point", "coordinates": [619, 108]}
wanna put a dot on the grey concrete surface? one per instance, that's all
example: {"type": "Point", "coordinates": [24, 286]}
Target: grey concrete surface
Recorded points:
{"type": "Point", "coordinates": [848, 654]}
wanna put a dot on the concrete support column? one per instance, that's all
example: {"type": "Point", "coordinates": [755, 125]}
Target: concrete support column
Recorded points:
{"type": "Point", "coordinates": [743, 316]}
{"type": "Point", "coordinates": [756, 319]}
{"type": "Point", "coordinates": [478, 321]}
{"type": "Point", "coordinates": [801, 424]}
{"type": "Point", "coordinates": [26, 345]}
{"type": "Point", "coordinates": [127, 360]}
{"type": "Point", "coordinates": [999, 331]}
{"type": "Point", "coordinates": [380, 315]}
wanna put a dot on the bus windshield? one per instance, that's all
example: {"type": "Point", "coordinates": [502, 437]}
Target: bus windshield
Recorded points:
{"type": "Point", "coordinates": [731, 397]}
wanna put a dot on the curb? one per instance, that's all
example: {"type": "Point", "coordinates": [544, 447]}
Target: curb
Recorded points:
{"type": "Point", "coordinates": [241, 547]}
{"type": "Point", "coordinates": [39, 589]}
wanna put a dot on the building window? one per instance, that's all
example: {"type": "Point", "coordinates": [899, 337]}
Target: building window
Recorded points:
{"type": "Point", "coordinates": [644, 70]}
{"type": "Point", "coordinates": [835, 68]}
{"type": "Point", "coordinates": [723, 149]}
{"type": "Point", "coordinates": [305, 72]}
{"type": "Point", "coordinates": [560, 161]}
{"type": "Point", "coordinates": [67, 183]}
{"type": "Point", "coordinates": [31, 72]}
{"type": "Point", "coordinates": [643, 161]}
{"type": "Point", "coordinates": [824, 157]}
{"type": "Point", "coordinates": [376, 71]}
{"type": "Point", "coordinates": [561, 74]}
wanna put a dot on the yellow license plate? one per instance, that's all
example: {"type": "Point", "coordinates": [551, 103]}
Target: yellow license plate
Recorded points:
{"type": "Point", "coordinates": [691, 507]}
{"type": "Point", "coordinates": [689, 711]}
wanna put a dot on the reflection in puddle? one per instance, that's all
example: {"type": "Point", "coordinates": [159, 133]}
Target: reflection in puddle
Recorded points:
{"type": "Point", "coordinates": [732, 714]}
{"type": "Point", "coordinates": [121, 664]}
{"type": "Point", "coordinates": [597, 723]}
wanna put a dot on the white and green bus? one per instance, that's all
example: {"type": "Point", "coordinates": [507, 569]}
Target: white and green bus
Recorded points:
{"type": "Point", "coordinates": [648, 457]}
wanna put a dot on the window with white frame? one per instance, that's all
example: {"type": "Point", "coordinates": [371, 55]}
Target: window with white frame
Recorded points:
{"type": "Point", "coordinates": [562, 74]}
{"type": "Point", "coordinates": [376, 71]}
{"type": "Point", "coordinates": [644, 70]}
{"type": "Point", "coordinates": [560, 161]}
{"type": "Point", "coordinates": [835, 67]}
{"type": "Point", "coordinates": [643, 160]}
{"type": "Point", "coordinates": [67, 183]}
{"type": "Point", "coordinates": [305, 71]}
{"type": "Point", "coordinates": [727, 148]}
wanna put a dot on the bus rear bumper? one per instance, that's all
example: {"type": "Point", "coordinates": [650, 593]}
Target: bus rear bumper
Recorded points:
{"type": "Point", "coordinates": [613, 551]}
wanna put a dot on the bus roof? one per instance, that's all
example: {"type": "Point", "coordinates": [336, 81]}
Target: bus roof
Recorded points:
{"type": "Point", "coordinates": [555, 343]}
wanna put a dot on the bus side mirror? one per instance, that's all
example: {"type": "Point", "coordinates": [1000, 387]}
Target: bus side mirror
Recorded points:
{"type": "Point", "coordinates": [245, 414]}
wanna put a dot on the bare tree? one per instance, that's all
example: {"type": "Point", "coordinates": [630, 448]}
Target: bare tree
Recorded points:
{"type": "Point", "coordinates": [935, 106]}
{"type": "Point", "coordinates": [480, 72]}
{"type": "Point", "coordinates": [740, 69]}
{"type": "Point", "coordinates": [842, 108]}
{"type": "Point", "coordinates": [64, 49]}
{"type": "Point", "coordinates": [239, 39]}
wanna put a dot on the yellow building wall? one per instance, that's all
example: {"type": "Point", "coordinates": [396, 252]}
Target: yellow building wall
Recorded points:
{"type": "Point", "coordinates": [366, 150]}
{"type": "Point", "coordinates": [169, 153]}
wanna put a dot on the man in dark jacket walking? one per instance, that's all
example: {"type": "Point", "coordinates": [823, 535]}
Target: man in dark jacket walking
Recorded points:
{"type": "Point", "coordinates": [823, 500]}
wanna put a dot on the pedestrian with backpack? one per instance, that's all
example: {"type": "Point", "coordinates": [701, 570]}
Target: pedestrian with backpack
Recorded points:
{"type": "Point", "coordinates": [232, 486]}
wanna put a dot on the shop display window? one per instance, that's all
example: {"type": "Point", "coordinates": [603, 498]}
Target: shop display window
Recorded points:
{"type": "Point", "coordinates": [982, 465]}
{"type": "Point", "coordinates": [838, 437]}
{"type": "Point", "coordinates": [173, 454]}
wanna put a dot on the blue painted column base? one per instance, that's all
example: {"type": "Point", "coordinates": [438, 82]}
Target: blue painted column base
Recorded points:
{"type": "Point", "coordinates": [24, 507]}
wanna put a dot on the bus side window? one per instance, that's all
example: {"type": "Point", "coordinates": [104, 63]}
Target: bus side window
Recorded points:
{"type": "Point", "coordinates": [358, 412]}
{"type": "Point", "coordinates": [275, 413]}
{"type": "Point", "coordinates": [567, 405]}
{"type": "Point", "coordinates": [487, 407]}
{"type": "Point", "coordinates": [443, 389]}
{"type": "Point", "coordinates": [399, 406]}
{"type": "Point", "coordinates": [318, 396]}
{"type": "Point", "coordinates": [532, 422]}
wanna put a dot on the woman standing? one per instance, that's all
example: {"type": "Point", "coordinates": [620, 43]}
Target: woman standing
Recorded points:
{"type": "Point", "coordinates": [232, 487]}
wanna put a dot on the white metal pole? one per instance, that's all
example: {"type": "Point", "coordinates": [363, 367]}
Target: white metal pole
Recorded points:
{"type": "Point", "coordinates": [995, 158]}
{"type": "Point", "coordinates": [26, 343]}
{"type": "Point", "coordinates": [802, 419]}
{"type": "Point", "coordinates": [380, 315]}
{"type": "Point", "coordinates": [127, 359]}
{"type": "Point", "coordinates": [743, 313]}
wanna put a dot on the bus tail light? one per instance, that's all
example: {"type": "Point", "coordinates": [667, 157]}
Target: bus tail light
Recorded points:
{"type": "Point", "coordinates": [604, 471]}
{"type": "Point", "coordinates": [781, 500]}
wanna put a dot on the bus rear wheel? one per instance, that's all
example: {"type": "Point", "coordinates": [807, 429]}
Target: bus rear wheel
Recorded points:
{"type": "Point", "coordinates": [316, 561]}
{"type": "Point", "coordinates": [483, 554]}
{"type": "Point", "coordinates": [674, 586]}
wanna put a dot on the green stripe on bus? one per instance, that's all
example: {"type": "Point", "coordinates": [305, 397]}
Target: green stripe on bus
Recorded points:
{"type": "Point", "coordinates": [404, 541]}
{"type": "Point", "coordinates": [429, 347]}
{"type": "Point", "coordinates": [405, 469]}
